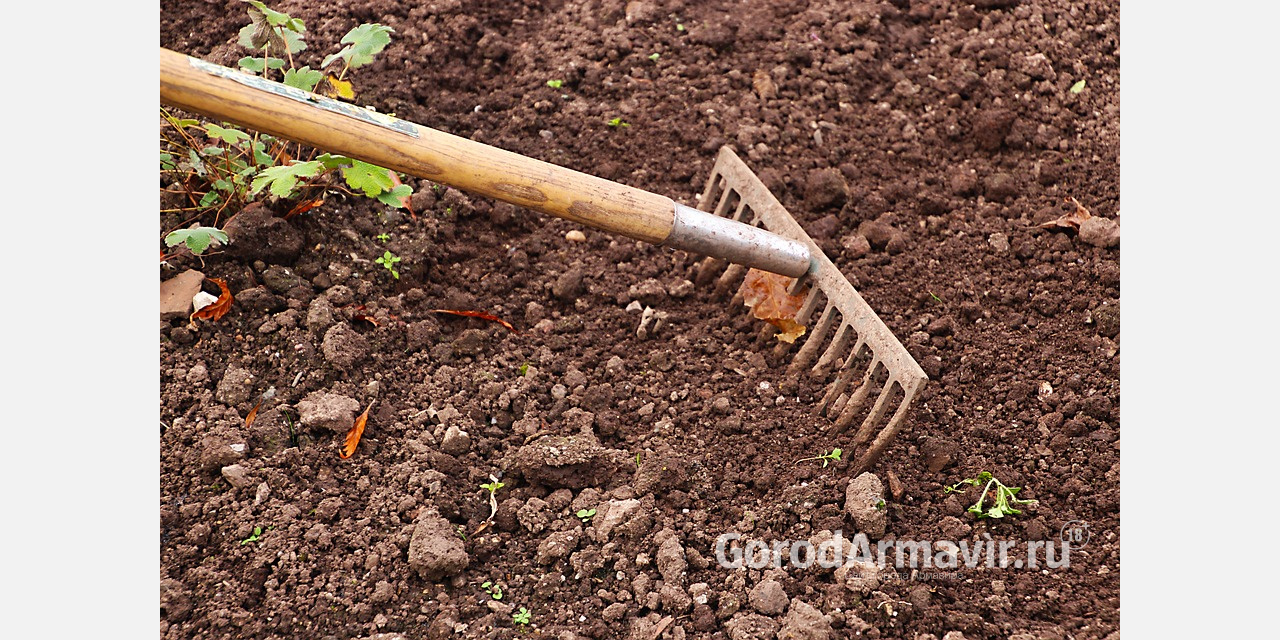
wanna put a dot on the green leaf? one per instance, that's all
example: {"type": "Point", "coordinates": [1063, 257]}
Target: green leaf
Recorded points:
{"type": "Point", "coordinates": [555, 84]}
{"type": "Point", "coordinates": [293, 39]}
{"type": "Point", "coordinates": [370, 179]}
{"type": "Point", "coordinates": [395, 197]}
{"type": "Point", "coordinates": [197, 239]}
{"type": "Point", "coordinates": [654, 56]}
{"type": "Point", "coordinates": [1077, 87]}
{"type": "Point", "coordinates": [211, 151]}
{"type": "Point", "coordinates": [256, 65]}
{"type": "Point", "coordinates": [331, 161]}
{"type": "Point", "coordinates": [166, 162]}
{"type": "Point", "coordinates": [304, 78]}
{"type": "Point", "coordinates": [229, 136]}
{"type": "Point", "coordinates": [273, 17]}
{"type": "Point", "coordinates": [363, 43]}
{"type": "Point", "coordinates": [284, 179]}
{"type": "Point", "coordinates": [208, 200]}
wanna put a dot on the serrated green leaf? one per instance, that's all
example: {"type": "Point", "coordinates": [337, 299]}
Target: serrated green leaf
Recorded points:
{"type": "Point", "coordinates": [293, 40]}
{"type": "Point", "coordinates": [283, 179]}
{"type": "Point", "coordinates": [209, 199]}
{"type": "Point", "coordinates": [395, 197]}
{"type": "Point", "coordinates": [256, 65]}
{"type": "Point", "coordinates": [166, 162]}
{"type": "Point", "coordinates": [211, 151]}
{"type": "Point", "coordinates": [371, 179]}
{"type": "Point", "coordinates": [304, 78]}
{"type": "Point", "coordinates": [1077, 87]}
{"type": "Point", "coordinates": [197, 239]}
{"type": "Point", "coordinates": [363, 43]}
{"type": "Point", "coordinates": [230, 136]}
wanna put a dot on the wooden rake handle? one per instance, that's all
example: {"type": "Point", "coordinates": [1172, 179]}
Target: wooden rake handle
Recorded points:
{"type": "Point", "coordinates": [218, 92]}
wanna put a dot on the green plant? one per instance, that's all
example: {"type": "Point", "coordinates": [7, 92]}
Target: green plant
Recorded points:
{"type": "Point", "coordinates": [1005, 498]}
{"type": "Point", "coordinates": [522, 617]}
{"type": "Point", "coordinates": [492, 487]}
{"type": "Point", "coordinates": [1077, 87]}
{"type": "Point", "coordinates": [384, 237]}
{"type": "Point", "coordinates": [493, 589]}
{"type": "Point", "coordinates": [654, 56]}
{"type": "Point", "coordinates": [257, 534]}
{"type": "Point", "coordinates": [585, 515]}
{"type": "Point", "coordinates": [389, 260]}
{"type": "Point", "coordinates": [555, 84]}
{"type": "Point", "coordinates": [216, 166]}
{"type": "Point", "coordinates": [617, 122]}
{"type": "Point", "coordinates": [524, 369]}
{"type": "Point", "coordinates": [197, 238]}
{"type": "Point", "coordinates": [826, 458]}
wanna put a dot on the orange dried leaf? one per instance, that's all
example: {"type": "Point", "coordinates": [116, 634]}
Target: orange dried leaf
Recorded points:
{"type": "Point", "coordinates": [353, 436]}
{"type": "Point", "coordinates": [253, 413]}
{"type": "Point", "coordinates": [219, 307]}
{"type": "Point", "coordinates": [1071, 220]}
{"type": "Point", "coordinates": [766, 294]}
{"type": "Point", "coordinates": [478, 314]}
{"type": "Point", "coordinates": [303, 207]}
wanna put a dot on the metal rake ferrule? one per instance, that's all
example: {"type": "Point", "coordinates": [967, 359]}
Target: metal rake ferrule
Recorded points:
{"type": "Point", "coordinates": [848, 340]}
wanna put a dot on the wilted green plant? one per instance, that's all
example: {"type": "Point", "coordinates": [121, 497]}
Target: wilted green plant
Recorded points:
{"type": "Point", "coordinates": [1005, 498]}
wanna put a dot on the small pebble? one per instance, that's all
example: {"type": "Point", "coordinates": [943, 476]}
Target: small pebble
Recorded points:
{"type": "Point", "coordinates": [575, 236]}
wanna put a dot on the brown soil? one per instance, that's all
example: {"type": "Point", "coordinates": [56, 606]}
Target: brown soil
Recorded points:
{"type": "Point", "coordinates": [940, 132]}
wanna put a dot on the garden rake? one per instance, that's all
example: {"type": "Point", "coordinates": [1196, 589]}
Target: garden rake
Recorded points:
{"type": "Point", "coordinates": [739, 224]}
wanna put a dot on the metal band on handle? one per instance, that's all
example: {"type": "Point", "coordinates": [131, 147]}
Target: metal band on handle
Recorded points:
{"type": "Point", "coordinates": [711, 235]}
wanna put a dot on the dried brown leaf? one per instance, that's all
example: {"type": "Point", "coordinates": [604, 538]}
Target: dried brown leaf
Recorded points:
{"type": "Point", "coordinates": [219, 307]}
{"type": "Point", "coordinates": [1071, 220]}
{"type": "Point", "coordinates": [766, 294]}
{"type": "Point", "coordinates": [478, 314]}
{"type": "Point", "coordinates": [353, 436]}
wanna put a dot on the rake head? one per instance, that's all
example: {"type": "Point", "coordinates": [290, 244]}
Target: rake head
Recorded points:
{"type": "Point", "coordinates": [847, 345]}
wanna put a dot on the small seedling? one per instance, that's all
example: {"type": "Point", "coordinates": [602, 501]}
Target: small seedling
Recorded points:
{"type": "Point", "coordinates": [522, 617]}
{"type": "Point", "coordinates": [492, 487]}
{"type": "Point", "coordinates": [389, 261]}
{"type": "Point", "coordinates": [524, 369]}
{"type": "Point", "coordinates": [197, 239]}
{"type": "Point", "coordinates": [384, 237]}
{"type": "Point", "coordinates": [257, 534]}
{"type": "Point", "coordinates": [826, 458]}
{"type": "Point", "coordinates": [555, 84]}
{"type": "Point", "coordinates": [617, 122]}
{"type": "Point", "coordinates": [493, 589]}
{"type": "Point", "coordinates": [1005, 499]}
{"type": "Point", "coordinates": [654, 56]}
{"type": "Point", "coordinates": [679, 27]}
{"type": "Point", "coordinates": [1077, 87]}
{"type": "Point", "coordinates": [585, 515]}
{"type": "Point", "coordinates": [880, 505]}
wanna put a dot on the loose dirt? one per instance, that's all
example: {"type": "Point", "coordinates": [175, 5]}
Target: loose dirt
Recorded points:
{"type": "Point", "coordinates": [920, 143]}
